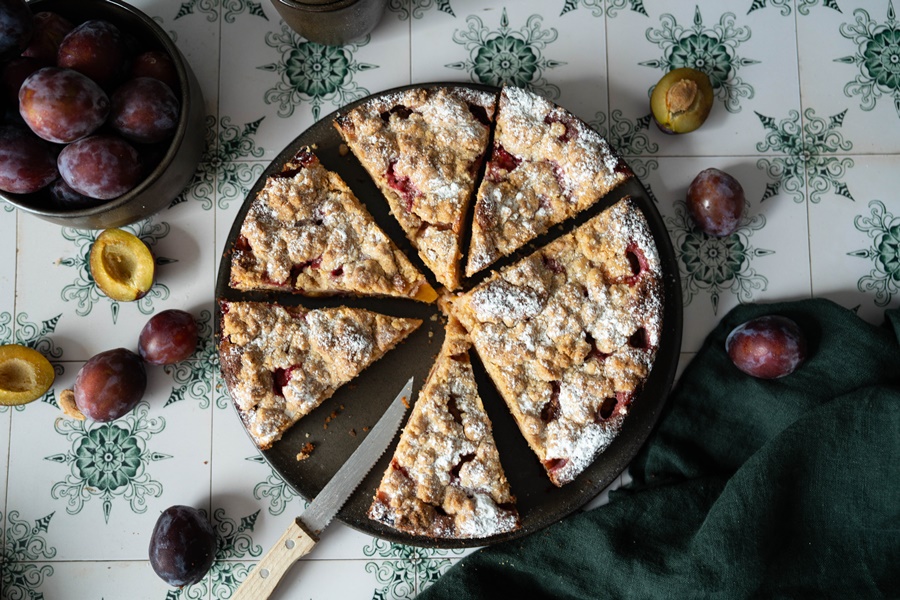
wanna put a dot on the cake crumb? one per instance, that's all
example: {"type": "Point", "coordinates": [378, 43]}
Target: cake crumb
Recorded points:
{"type": "Point", "coordinates": [366, 428]}
{"type": "Point", "coordinates": [405, 401]}
{"type": "Point", "coordinates": [353, 432]}
{"type": "Point", "coordinates": [332, 416]}
{"type": "Point", "coordinates": [305, 451]}
{"type": "Point", "coordinates": [343, 149]}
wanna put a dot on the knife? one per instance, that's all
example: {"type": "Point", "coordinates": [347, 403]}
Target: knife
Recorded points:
{"type": "Point", "coordinates": [302, 535]}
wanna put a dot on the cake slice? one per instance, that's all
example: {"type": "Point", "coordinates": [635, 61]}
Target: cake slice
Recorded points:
{"type": "Point", "coordinates": [280, 363]}
{"type": "Point", "coordinates": [307, 233]}
{"type": "Point", "coordinates": [445, 479]}
{"type": "Point", "coordinates": [546, 166]}
{"type": "Point", "coordinates": [423, 149]}
{"type": "Point", "coordinates": [569, 335]}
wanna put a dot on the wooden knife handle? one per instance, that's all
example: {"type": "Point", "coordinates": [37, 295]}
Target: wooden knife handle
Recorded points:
{"type": "Point", "coordinates": [261, 581]}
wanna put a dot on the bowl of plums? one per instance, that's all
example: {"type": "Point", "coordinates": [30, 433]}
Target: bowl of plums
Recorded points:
{"type": "Point", "coordinates": [102, 117]}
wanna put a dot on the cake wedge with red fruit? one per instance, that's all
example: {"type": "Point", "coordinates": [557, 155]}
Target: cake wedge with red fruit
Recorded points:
{"type": "Point", "coordinates": [445, 479]}
{"type": "Point", "coordinates": [546, 166]}
{"type": "Point", "coordinates": [307, 233]}
{"type": "Point", "coordinates": [423, 148]}
{"type": "Point", "coordinates": [569, 335]}
{"type": "Point", "coordinates": [281, 362]}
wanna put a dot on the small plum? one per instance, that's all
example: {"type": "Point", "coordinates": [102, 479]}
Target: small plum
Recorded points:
{"type": "Point", "coordinates": [63, 197]}
{"type": "Point", "coordinates": [110, 384]}
{"type": "Point", "coordinates": [16, 27]}
{"type": "Point", "coordinates": [158, 65]}
{"type": "Point", "coordinates": [144, 110]}
{"type": "Point", "coordinates": [62, 105]}
{"type": "Point", "coordinates": [27, 163]}
{"type": "Point", "coordinates": [767, 347]}
{"type": "Point", "coordinates": [49, 30]}
{"type": "Point", "coordinates": [182, 546]}
{"type": "Point", "coordinates": [716, 202]}
{"type": "Point", "coordinates": [168, 337]}
{"type": "Point", "coordinates": [97, 49]}
{"type": "Point", "coordinates": [100, 166]}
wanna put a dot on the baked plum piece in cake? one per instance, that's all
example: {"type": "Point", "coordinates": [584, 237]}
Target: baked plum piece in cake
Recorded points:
{"type": "Point", "coordinates": [569, 335]}
{"type": "Point", "coordinates": [423, 148]}
{"type": "Point", "coordinates": [445, 479]}
{"type": "Point", "coordinates": [307, 233]}
{"type": "Point", "coordinates": [546, 166]}
{"type": "Point", "coordinates": [281, 362]}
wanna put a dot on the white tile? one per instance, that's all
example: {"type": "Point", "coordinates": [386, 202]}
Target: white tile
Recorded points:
{"type": "Point", "coordinates": [853, 244]}
{"type": "Point", "coordinates": [843, 72]}
{"type": "Point", "coordinates": [109, 580]}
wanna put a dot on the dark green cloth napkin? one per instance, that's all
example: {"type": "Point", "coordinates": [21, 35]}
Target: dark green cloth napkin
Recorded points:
{"type": "Point", "coordinates": [785, 488]}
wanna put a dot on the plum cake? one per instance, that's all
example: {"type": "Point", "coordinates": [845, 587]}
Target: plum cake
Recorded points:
{"type": "Point", "coordinates": [445, 479]}
{"type": "Point", "coordinates": [569, 334]}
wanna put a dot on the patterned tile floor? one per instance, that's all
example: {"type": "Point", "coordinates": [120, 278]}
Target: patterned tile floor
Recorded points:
{"type": "Point", "coordinates": [807, 116]}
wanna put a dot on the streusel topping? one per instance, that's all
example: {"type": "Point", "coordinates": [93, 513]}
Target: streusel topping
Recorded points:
{"type": "Point", "coordinates": [546, 166]}
{"type": "Point", "coordinates": [280, 363]}
{"type": "Point", "coordinates": [570, 333]}
{"type": "Point", "coordinates": [423, 148]}
{"type": "Point", "coordinates": [306, 232]}
{"type": "Point", "coordinates": [445, 479]}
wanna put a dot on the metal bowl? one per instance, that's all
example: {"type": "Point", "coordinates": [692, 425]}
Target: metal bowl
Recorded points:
{"type": "Point", "coordinates": [176, 168]}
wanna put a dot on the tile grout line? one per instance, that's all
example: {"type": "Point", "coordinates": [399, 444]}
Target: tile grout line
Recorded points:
{"type": "Point", "coordinates": [802, 137]}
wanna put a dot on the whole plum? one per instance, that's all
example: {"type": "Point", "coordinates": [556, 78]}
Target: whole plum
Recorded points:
{"type": "Point", "coordinates": [716, 202]}
{"type": "Point", "coordinates": [14, 74]}
{"type": "Point", "coordinates": [16, 27]}
{"type": "Point", "coordinates": [110, 384]}
{"type": "Point", "coordinates": [158, 65]}
{"type": "Point", "coordinates": [97, 49]}
{"type": "Point", "coordinates": [144, 110]}
{"type": "Point", "coordinates": [49, 30]}
{"type": "Point", "coordinates": [62, 105]}
{"type": "Point", "coordinates": [100, 166]}
{"type": "Point", "coordinates": [168, 337]}
{"type": "Point", "coordinates": [63, 197]}
{"type": "Point", "coordinates": [767, 347]}
{"type": "Point", "coordinates": [182, 546]}
{"type": "Point", "coordinates": [27, 163]}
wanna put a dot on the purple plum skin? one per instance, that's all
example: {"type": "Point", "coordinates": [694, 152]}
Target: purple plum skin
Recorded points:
{"type": "Point", "coordinates": [767, 347]}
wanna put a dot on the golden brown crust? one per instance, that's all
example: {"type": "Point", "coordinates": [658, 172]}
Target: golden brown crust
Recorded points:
{"type": "Point", "coordinates": [423, 149]}
{"type": "Point", "coordinates": [445, 479]}
{"type": "Point", "coordinates": [546, 166]}
{"type": "Point", "coordinates": [280, 363]}
{"type": "Point", "coordinates": [306, 232]}
{"type": "Point", "coordinates": [569, 334]}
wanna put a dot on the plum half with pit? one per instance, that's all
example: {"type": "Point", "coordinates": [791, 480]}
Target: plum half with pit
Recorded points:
{"type": "Point", "coordinates": [100, 166]}
{"type": "Point", "coordinates": [182, 546]}
{"type": "Point", "coordinates": [110, 384]}
{"type": "Point", "coordinates": [62, 105]}
{"type": "Point", "coordinates": [144, 110]}
{"type": "Point", "coordinates": [27, 163]}
{"type": "Point", "coordinates": [25, 375]}
{"type": "Point", "coordinates": [716, 202]}
{"type": "Point", "coordinates": [122, 265]}
{"type": "Point", "coordinates": [681, 100]}
{"type": "Point", "coordinates": [767, 347]}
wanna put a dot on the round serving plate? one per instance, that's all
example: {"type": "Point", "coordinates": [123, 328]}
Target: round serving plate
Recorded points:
{"type": "Point", "coordinates": [337, 426]}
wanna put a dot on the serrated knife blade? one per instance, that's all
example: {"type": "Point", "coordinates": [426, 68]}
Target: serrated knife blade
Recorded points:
{"type": "Point", "coordinates": [302, 535]}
